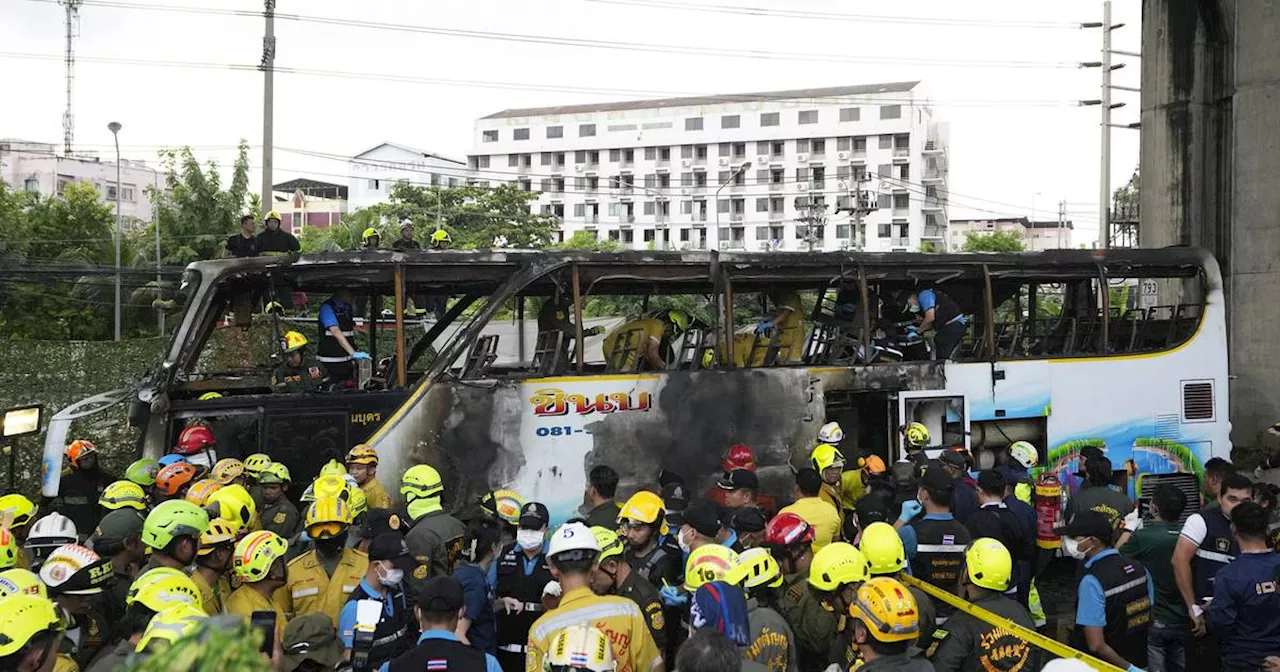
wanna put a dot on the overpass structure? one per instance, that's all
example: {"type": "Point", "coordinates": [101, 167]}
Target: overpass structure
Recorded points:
{"type": "Point", "coordinates": [1211, 171]}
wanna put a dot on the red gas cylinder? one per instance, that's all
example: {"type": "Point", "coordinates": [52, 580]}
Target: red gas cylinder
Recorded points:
{"type": "Point", "coordinates": [1048, 511]}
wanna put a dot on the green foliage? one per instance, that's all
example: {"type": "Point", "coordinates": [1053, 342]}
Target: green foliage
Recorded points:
{"type": "Point", "coordinates": [1124, 202]}
{"type": "Point", "coordinates": [996, 241]}
{"type": "Point", "coordinates": [586, 241]}
{"type": "Point", "coordinates": [474, 216]}
{"type": "Point", "coordinates": [194, 212]}
{"type": "Point", "coordinates": [930, 247]}
{"type": "Point", "coordinates": [1183, 454]}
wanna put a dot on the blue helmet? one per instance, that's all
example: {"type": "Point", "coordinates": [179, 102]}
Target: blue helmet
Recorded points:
{"type": "Point", "coordinates": [171, 459]}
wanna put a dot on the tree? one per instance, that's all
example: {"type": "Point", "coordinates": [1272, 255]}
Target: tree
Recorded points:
{"type": "Point", "coordinates": [586, 241]}
{"type": "Point", "coordinates": [475, 216]}
{"type": "Point", "coordinates": [996, 241]}
{"type": "Point", "coordinates": [194, 213]}
{"type": "Point", "coordinates": [1124, 202]}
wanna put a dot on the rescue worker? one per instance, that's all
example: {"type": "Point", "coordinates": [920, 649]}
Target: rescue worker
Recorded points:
{"type": "Point", "coordinates": [915, 439]}
{"type": "Point", "coordinates": [789, 538]}
{"type": "Point", "coordinates": [234, 504]}
{"type": "Point", "coordinates": [1113, 607]}
{"type": "Point", "coordinates": [75, 577]}
{"type": "Point", "coordinates": [172, 531]}
{"type": "Point", "coordinates": [119, 539]}
{"type": "Point", "coordinates": [259, 565]}
{"type": "Point", "coordinates": [642, 522]}
{"type": "Point", "coordinates": [370, 239]}
{"type": "Point", "coordinates": [30, 632]}
{"type": "Point", "coordinates": [200, 491]}
{"type": "Point", "coordinates": [197, 446]}
{"type": "Point", "coordinates": [230, 471]}
{"type": "Point", "coordinates": [143, 472]}
{"type": "Point", "coordinates": [572, 552]}
{"type": "Point", "coordinates": [597, 498]}
{"type": "Point", "coordinates": [253, 466]}
{"type": "Point", "coordinates": [9, 549]}
{"type": "Point", "coordinates": [337, 333]}
{"type": "Point", "coordinates": [123, 495]}
{"type": "Point", "coordinates": [771, 642]}
{"type": "Point", "coordinates": [1204, 547]}
{"type": "Point", "coordinates": [523, 574]}
{"type": "Point", "coordinates": [362, 464]}
{"type": "Point", "coordinates": [941, 314]}
{"type": "Point", "coordinates": [244, 244]}
{"type": "Point", "coordinates": [882, 547]}
{"type": "Point", "coordinates": [151, 593]}
{"type": "Point", "coordinates": [740, 456]}
{"type": "Point", "coordinates": [1023, 457]}
{"type": "Point", "coordinates": [834, 577]}
{"type": "Point", "coordinates": [81, 485]}
{"type": "Point", "coordinates": [1153, 545]}
{"type": "Point", "coordinates": [440, 239]}
{"type": "Point", "coordinates": [885, 623]}
{"type": "Point", "coordinates": [581, 648]}
{"type": "Point", "coordinates": [275, 241]}
{"type": "Point", "coordinates": [994, 520]}
{"type": "Point", "coordinates": [964, 493]}
{"type": "Point", "coordinates": [1245, 611]}
{"type": "Point", "coordinates": [814, 508]}
{"type": "Point", "coordinates": [480, 547]}
{"type": "Point", "coordinates": [644, 344]}
{"type": "Point", "coordinates": [278, 515]}
{"type": "Point", "coordinates": [965, 643]}
{"type": "Point", "coordinates": [389, 560]}
{"type": "Point", "coordinates": [842, 489]}
{"type": "Point", "coordinates": [211, 573]}
{"type": "Point", "coordinates": [739, 488]}
{"type": "Point", "coordinates": [747, 527]}
{"type": "Point", "coordinates": [502, 506]}
{"type": "Point", "coordinates": [722, 608]}
{"type": "Point", "coordinates": [169, 626]}
{"type": "Point", "coordinates": [438, 647]}
{"type": "Point", "coordinates": [555, 316]}
{"type": "Point", "coordinates": [697, 526]}
{"type": "Point", "coordinates": [296, 372]}
{"type": "Point", "coordinates": [321, 580]}
{"type": "Point", "coordinates": [48, 534]}
{"type": "Point", "coordinates": [935, 542]}
{"type": "Point", "coordinates": [174, 480]}
{"type": "Point", "coordinates": [1098, 493]}
{"type": "Point", "coordinates": [611, 575]}
{"type": "Point", "coordinates": [405, 241]}
{"type": "Point", "coordinates": [435, 539]}
{"type": "Point", "coordinates": [787, 319]}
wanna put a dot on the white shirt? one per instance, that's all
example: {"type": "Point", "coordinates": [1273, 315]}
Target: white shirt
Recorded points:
{"type": "Point", "coordinates": [1195, 529]}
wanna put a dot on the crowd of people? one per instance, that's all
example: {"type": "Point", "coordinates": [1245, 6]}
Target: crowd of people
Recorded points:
{"type": "Point", "coordinates": [921, 566]}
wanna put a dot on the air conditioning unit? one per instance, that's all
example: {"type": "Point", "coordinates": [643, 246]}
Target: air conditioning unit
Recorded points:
{"type": "Point", "coordinates": [843, 156]}
{"type": "Point", "coordinates": [802, 158]}
{"type": "Point", "coordinates": [686, 162]}
{"type": "Point", "coordinates": [686, 191]}
{"type": "Point", "coordinates": [579, 167]}
{"type": "Point", "coordinates": [802, 187]}
{"type": "Point", "coordinates": [724, 161]}
{"type": "Point", "coordinates": [762, 160]}
{"type": "Point", "coordinates": [724, 244]}
{"type": "Point", "coordinates": [842, 186]}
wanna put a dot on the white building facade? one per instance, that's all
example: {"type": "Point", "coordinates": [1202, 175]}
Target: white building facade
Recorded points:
{"type": "Point", "coordinates": [375, 171]}
{"type": "Point", "coordinates": [35, 167]}
{"type": "Point", "coordinates": [1037, 236]}
{"type": "Point", "coordinates": [733, 172]}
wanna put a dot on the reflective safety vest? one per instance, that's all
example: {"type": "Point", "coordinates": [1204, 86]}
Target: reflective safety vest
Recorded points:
{"type": "Point", "coordinates": [513, 628]}
{"type": "Point", "coordinates": [392, 635]}
{"type": "Point", "coordinates": [940, 546]}
{"type": "Point", "coordinates": [1128, 607]}
{"type": "Point", "coordinates": [330, 350]}
{"type": "Point", "coordinates": [310, 589]}
{"type": "Point", "coordinates": [1217, 550]}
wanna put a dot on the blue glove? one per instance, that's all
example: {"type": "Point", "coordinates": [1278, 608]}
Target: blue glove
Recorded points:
{"type": "Point", "coordinates": [913, 329]}
{"type": "Point", "coordinates": [764, 326]}
{"type": "Point", "coordinates": [672, 597]}
{"type": "Point", "coordinates": [359, 355]}
{"type": "Point", "coordinates": [1135, 668]}
{"type": "Point", "coordinates": [910, 509]}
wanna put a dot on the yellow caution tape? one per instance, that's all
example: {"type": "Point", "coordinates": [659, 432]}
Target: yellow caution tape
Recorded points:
{"type": "Point", "coordinates": [1051, 645]}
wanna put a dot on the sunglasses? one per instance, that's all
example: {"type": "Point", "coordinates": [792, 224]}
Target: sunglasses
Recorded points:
{"type": "Point", "coordinates": [633, 524]}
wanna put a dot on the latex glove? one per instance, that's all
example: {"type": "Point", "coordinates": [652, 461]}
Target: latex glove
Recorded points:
{"type": "Point", "coordinates": [910, 509]}
{"type": "Point", "coordinates": [1135, 668]}
{"type": "Point", "coordinates": [552, 588]}
{"type": "Point", "coordinates": [359, 355]}
{"type": "Point", "coordinates": [764, 326]}
{"type": "Point", "coordinates": [1133, 522]}
{"type": "Point", "coordinates": [913, 329]}
{"type": "Point", "coordinates": [672, 597]}
{"type": "Point", "coordinates": [511, 605]}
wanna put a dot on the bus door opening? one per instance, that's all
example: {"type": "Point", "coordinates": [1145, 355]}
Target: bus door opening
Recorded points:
{"type": "Point", "coordinates": [945, 416]}
{"type": "Point", "coordinates": [867, 421]}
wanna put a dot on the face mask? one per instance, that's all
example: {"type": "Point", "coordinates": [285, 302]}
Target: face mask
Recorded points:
{"type": "Point", "coordinates": [529, 539]}
{"type": "Point", "coordinates": [332, 546]}
{"type": "Point", "coordinates": [389, 577]}
{"type": "Point", "coordinates": [1071, 546]}
{"type": "Point", "coordinates": [684, 545]}
{"type": "Point", "coordinates": [913, 307]}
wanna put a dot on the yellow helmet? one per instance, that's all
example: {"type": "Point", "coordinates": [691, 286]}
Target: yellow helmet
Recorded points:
{"type": "Point", "coordinates": [917, 435]}
{"type": "Point", "coordinates": [122, 494]}
{"type": "Point", "coordinates": [227, 470]}
{"type": "Point", "coordinates": [504, 503]}
{"type": "Point", "coordinates": [274, 214]}
{"type": "Point", "coordinates": [825, 455]}
{"type": "Point", "coordinates": [255, 463]}
{"type": "Point", "coordinates": [256, 553]}
{"type": "Point", "coordinates": [163, 587]}
{"type": "Point", "coordinates": [756, 567]}
{"type": "Point", "coordinates": [362, 454]}
{"type": "Point", "coordinates": [888, 610]}
{"type": "Point", "coordinates": [421, 481]}
{"type": "Point", "coordinates": [293, 341]}
{"type": "Point", "coordinates": [333, 468]}
{"type": "Point", "coordinates": [440, 237]}
{"type": "Point", "coordinates": [220, 532]}
{"type": "Point", "coordinates": [836, 564]}
{"type": "Point", "coordinates": [200, 491]}
{"type": "Point", "coordinates": [369, 233]}
{"type": "Point", "coordinates": [328, 486]}
{"type": "Point", "coordinates": [708, 563]}
{"type": "Point", "coordinates": [327, 517]}
{"type": "Point", "coordinates": [15, 581]}
{"type": "Point", "coordinates": [644, 507]}
{"type": "Point", "coordinates": [988, 564]}
{"type": "Point", "coordinates": [274, 474]}
{"type": "Point", "coordinates": [610, 543]}
{"type": "Point", "coordinates": [358, 502]}
{"type": "Point", "coordinates": [580, 647]}
{"type": "Point", "coordinates": [882, 547]}
{"type": "Point", "coordinates": [18, 509]}
{"type": "Point", "coordinates": [8, 549]}
{"type": "Point", "coordinates": [171, 625]}
{"type": "Point", "coordinates": [23, 617]}
{"type": "Point", "coordinates": [233, 503]}
{"type": "Point", "coordinates": [209, 396]}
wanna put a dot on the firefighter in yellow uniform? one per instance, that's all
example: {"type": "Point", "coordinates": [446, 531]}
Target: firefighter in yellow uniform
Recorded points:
{"type": "Point", "coordinates": [322, 579]}
{"type": "Point", "coordinates": [259, 564]}
{"type": "Point", "coordinates": [650, 342]}
{"type": "Point", "coordinates": [213, 561]}
{"type": "Point", "coordinates": [16, 513]}
{"type": "Point", "coordinates": [841, 488]}
{"type": "Point", "coordinates": [362, 465]}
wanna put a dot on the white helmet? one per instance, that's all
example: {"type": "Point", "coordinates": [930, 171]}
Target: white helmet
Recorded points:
{"type": "Point", "coordinates": [1024, 453]}
{"type": "Point", "coordinates": [580, 647]}
{"type": "Point", "coordinates": [75, 570]}
{"type": "Point", "coordinates": [50, 532]}
{"type": "Point", "coordinates": [831, 433]}
{"type": "Point", "coordinates": [572, 537]}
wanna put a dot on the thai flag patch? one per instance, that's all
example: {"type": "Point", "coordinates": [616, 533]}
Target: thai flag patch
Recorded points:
{"type": "Point", "coordinates": [437, 664]}
{"type": "Point", "coordinates": [1128, 569]}
{"type": "Point", "coordinates": [578, 659]}
{"type": "Point", "coordinates": [949, 539]}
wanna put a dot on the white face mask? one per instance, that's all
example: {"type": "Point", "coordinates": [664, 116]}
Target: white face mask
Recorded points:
{"type": "Point", "coordinates": [1071, 546]}
{"type": "Point", "coordinates": [389, 577]}
{"type": "Point", "coordinates": [684, 545]}
{"type": "Point", "coordinates": [529, 539]}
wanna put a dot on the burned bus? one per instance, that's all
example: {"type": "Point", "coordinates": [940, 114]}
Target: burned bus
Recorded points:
{"type": "Point", "coordinates": [1125, 350]}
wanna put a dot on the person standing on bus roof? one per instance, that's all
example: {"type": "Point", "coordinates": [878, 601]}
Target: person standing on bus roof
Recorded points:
{"type": "Point", "coordinates": [245, 243]}
{"type": "Point", "coordinates": [941, 314]}
{"type": "Point", "coordinates": [370, 240]}
{"type": "Point", "coordinates": [337, 325]}
{"type": "Point", "coordinates": [275, 241]}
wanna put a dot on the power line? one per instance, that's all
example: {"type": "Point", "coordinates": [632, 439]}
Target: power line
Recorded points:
{"type": "Point", "coordinates": [834, 16]}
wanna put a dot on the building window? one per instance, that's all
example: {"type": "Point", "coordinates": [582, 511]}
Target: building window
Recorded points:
{"type": "Point", "coordinates": [513, 160]}
{"type": "Point", "coordinates": [808, 117]}
{"type": "Point", "coordinates": [882, 230]}
{"type": "Point", "coordinates": [489, 136]}
{"type": "Point", "coordinates": [802, 146]}
{"type": "Point", "coordinates": [586, 130]}
{"type": "Point", "coordinates": [650, 153]}
{"type": "Point", "coordinates": [818, 146]}
{"type": "Point", "coordinates": [860, 144]}
{"type": "Point", "coordinates": [850, 114]}
{"type": "Point", "coordinates": [521, 134]}
{"type": "Point", "coordinates": [554, 132]}
{"type": "Point", "coordinates": [32, 185]}
{"type": "Point", "coordinates": [769, 119]}
{"type": "Point", "coordinates": [693, 124]}
{"type": "Point", "coordinates": [730, 121]}
{"type": "Point", "coordinates": [890, 111]}
{"type": "Point", "coordinates": [615, 155]}
{"type": "Point", "coordinates": [482, 161]}
{"type": "Point", "coordinates": [901, 201]}
{"type": "Point", "coordinates": [111, 192]}
{"type": "Point", "coordinates": [886, 142]}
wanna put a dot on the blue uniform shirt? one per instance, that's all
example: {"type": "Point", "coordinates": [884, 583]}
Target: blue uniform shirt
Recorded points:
{"type": "Point", "coordinates": [1091, 607]}
{"type": "Point", "coordinates": [908, 533]}
{"type": "Point", "coordinates": [1245, 611]}
{"type": "Point", "coordinates": [347, 617]}
{"type": "Point", "coordinates": [477, 595]}
{"type": "Point", "coordinates": [329, 318]}
{"type": "Point", "coordinates": [490, 663]}
{"type": "Point", "coordinates": [928, 299]}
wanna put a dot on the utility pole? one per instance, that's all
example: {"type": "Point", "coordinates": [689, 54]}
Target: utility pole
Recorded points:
{"type": "Point", "coordinates": [815, 219]}
{"type": "Point", "coordinates": [69, 59]}
{"type": "Point", "coordinates": [1104, 182]}
{"type": "Point", "coordinates": [115, 127]}
{"type": "Point", "coordinates": [860, 205]}
{"type": "Point", "coordinates": [1062, 221]}
{"type": "Point", "coordinates": [267, 67]}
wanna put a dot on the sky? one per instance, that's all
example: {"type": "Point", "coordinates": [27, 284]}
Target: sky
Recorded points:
{"type": "Point", "coordinates": [1003, 73]}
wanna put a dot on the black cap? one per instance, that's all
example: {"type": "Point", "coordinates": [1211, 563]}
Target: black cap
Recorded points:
{"type": "Point", "coordinates": [381, 521]}
{"type": "Point", "coordinates": [666, 477]}
{"type": "Point", "coordinates": [936, 478]}
{"type": "Point", "coordinates": [748, 519]}
{"type": "Point", "coordinates": [739, 478]}
{"type": "Point", "coordinates": [534, 516]}
{"type": "Point", "coordinates": [702, 515]}
{"type": "Point", "coordinates": [675, 497]}
{"type": "Point", "coordinates": [391, 546]}
{"type": "Point", "coordinates": [1097, 469]}
{"type": "Point", "coordinates": [992, 480]}
{"type": "Point", "coordinates": [954, 458]}
{"type": "Point", "coordinates": [440, 595]}
{"type": "Point", "coordinates": [1088, 524]}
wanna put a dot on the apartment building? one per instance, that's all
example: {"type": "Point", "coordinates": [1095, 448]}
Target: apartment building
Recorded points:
{"type": "Point", "coordinates": [35, 166]}
{"type": "Point", "coordinates": [779, 170]}
{"type": "Point", "coordinates": [1037, 236]}
{"type": "Point", "coordinates": [306, 203]}
{"type": "Point", "coordinates": [376, 170]}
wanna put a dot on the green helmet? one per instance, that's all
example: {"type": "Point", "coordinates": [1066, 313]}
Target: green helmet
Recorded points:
{"type": "Point", "coordinates": [369, 233]}
{"type": "Point", "coordinates": [172, 519]}
{"type": "Point", "coordinates": [143, 472]}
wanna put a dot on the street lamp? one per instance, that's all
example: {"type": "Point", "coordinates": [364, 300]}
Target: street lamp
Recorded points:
{"type": "Point", "coordinates": [115, 127]}
{"type": "Point", "coordinates": [716, 197]}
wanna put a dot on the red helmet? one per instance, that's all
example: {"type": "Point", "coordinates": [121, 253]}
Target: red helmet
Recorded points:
{"type": "Point", "coordinates": [193, 440]}
{"type": "Point", "coordinates": [787, 529]}
{"type": "Point", "coordinates": [740, 457]}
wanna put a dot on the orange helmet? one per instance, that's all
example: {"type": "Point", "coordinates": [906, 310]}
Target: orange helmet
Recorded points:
{"type": "Point", "coordinates": [874, 465]}
{"type": "Point", "coordinates": [739, 457]}
{"type": "Point", "coordinates": [175, 477]}
{"type": "Point", "coordinates": [78, 449]}
{"type": "Point", "coordinates": [194, 439]}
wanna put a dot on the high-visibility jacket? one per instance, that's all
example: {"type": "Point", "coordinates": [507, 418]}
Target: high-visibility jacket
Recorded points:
{"type": "Point", "coordinates": [211, 596]}
{"type": "Point", "coordinates": [310, 589]}
{"type": "Point", "coordinates": [648, 329]}
{"type": "Point", "coordinates": [821, 516]}
{"type": "Point", "coordinates": [619, 618]}
{"type": "Point", "coordinates": [243, 601]}
{"type": "Point", "coordinates": [376, 494]}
